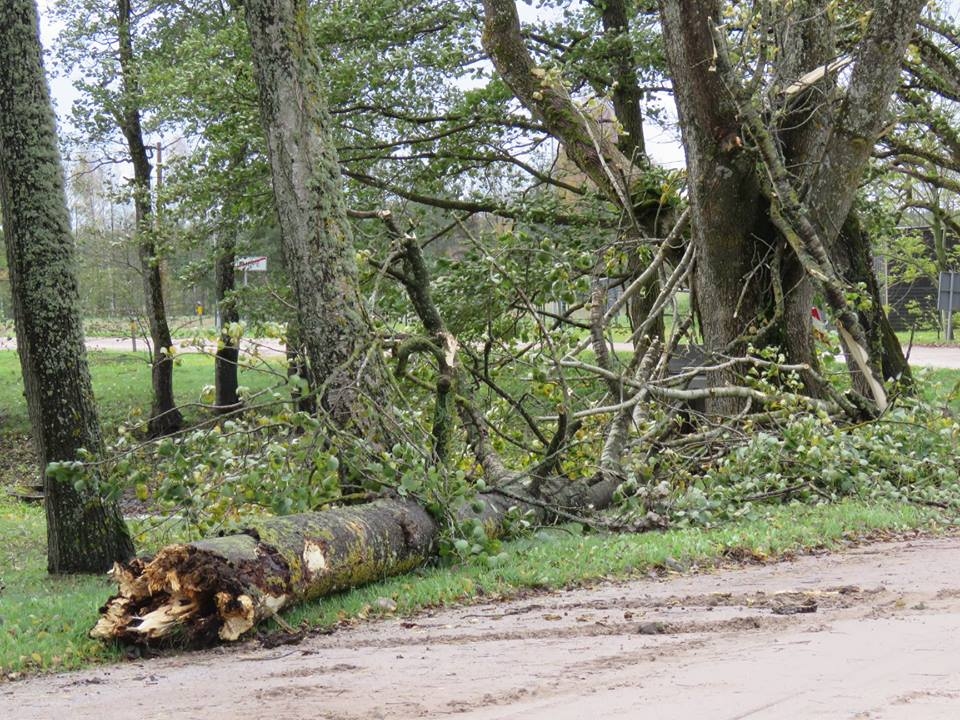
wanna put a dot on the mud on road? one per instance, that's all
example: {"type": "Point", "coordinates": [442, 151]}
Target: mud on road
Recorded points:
{"type": "Point", "coordinates": [872, 632]}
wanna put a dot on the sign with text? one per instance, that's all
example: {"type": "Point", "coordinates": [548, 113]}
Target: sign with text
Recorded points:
{"type": "Point", "coordinates": [252, 264]}
{"type": "Point", "coordinates": [948, 298]}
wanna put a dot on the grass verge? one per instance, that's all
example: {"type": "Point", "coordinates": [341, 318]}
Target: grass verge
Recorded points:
{"type": "Point", "coordinates": [44, 620]}
{"type": "Point", "coordinates": [925, 337]}
{"type": "Point", "coordinates": [121, 384]}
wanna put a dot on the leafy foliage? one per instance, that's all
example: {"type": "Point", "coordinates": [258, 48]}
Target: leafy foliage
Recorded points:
{"type": "Point", "coordinates": [906, 456]}
{"type": "Point", "coordinates": [516, 239]}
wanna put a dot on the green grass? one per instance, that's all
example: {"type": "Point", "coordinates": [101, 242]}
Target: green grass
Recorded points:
{"type": "Point", "coordinates": [185, 326]}
{"type": "Point", "coordinates": [45, 619]}
{"type": "Point", "coordinates": [928, 337]}
{"type": "Point", "coordinates": [121, 385]}
{"type": "Point", "coordinates": [182, 326]}
{"type": "Point", "coordinates": [556, 558]}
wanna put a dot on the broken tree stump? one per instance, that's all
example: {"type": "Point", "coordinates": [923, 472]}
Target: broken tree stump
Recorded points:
{"type": "Point", "coordinates": [217, 589]}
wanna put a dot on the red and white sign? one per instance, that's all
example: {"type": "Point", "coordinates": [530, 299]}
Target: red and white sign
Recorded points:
{"type": "Point", "coordinates": [252, 264]}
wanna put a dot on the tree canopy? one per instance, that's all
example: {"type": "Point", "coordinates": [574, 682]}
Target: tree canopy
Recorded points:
{"type": "Point", "coordinates": [490, 291]}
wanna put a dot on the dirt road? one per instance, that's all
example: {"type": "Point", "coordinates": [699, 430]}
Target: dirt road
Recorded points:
{"type": "Point", "coordinates": [873, 632]}
{"type": "Point", "coordinates": [921, 355]}
{"type": "Point", "coordinates": [115, 344]}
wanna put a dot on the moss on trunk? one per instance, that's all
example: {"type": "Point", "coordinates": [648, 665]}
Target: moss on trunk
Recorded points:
{"type": "Point", "coordinates": [218, 589]}
{"type": "Point", "coordinates": [85, 533]}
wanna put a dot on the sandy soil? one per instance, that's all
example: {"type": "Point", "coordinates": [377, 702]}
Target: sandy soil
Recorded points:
{"type": "Point", "coordinates": [872, 632]}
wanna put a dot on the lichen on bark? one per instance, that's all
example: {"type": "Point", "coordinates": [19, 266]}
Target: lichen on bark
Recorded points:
{"type": "Point", "coordinates": [85, 532]}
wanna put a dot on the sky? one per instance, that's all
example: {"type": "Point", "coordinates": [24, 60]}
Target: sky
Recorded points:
{"type": "Point", "coordinates": [663, 144]}
{"type": "Point", "coordinates": [62, 91]}
{"type": "Point", "coordinates": [61, 88]}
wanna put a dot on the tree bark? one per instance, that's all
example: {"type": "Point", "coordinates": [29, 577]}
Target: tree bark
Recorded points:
{"type": "Point", "coordinates": [85, 533]}
{"type": "Point", "coordinates": [315, 233]}
{"type": "Point", "coordinates": [218, 589]}
{"type": "Point", "coordinates": [165, 418]}
{"type": "Point", "coordinates": [735, 241]}
{"type": "Point", "coordinates": [228, 353]}
{"type": "Point", "coordinates": [808, 174]}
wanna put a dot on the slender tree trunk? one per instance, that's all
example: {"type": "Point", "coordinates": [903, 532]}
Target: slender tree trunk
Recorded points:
{"type": "Point", "coordinates": [855, 262]}
{"type": "Point", "coordinates": [85, 533]}
{"type": "Point", "coordinates": [626, 96]}
{"type": "Point", "coordinates": [651, 216]}
{"type": "Point", "coordinates": [226, 369]}
{"type": "Point", "coordinates": [228, 354]}
{"type": "Point", "coordinates": [315, 233]}
{"type": "Point", "coordinates": [164, 415]}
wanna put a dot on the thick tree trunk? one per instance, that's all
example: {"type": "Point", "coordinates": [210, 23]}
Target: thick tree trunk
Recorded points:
{"type": "Point", "coordinates": [218, 589]}
{"type": "Point", "coordinates": [315, 233]}
{"type": "Point", "coordinates": [165, 418]}
{"type": "Point", "coordinates": [736, 243]}
{"type": "Point", "coordinates": [809, 172]}
{"type": "Point", "coordinates": [85, 533]}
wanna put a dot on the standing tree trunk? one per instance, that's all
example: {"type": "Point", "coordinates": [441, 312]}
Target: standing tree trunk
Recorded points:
{"type": "Point", "coordinates": [650, 213]}
{"type": "Point", "coordinates": [734, 238]}
{"type": "Point", "coordinates": [85, 533]}
{"type": "Point", "coordinates": [165, 418]}
{"type": "Point", "coordinates": [804, 166]}
{"type": "Point", "coordinates": [626, 95]}
{"type": "Point", "coordinates": [228, 352]}
{"type": "Point", "coordinates": [316, 235]}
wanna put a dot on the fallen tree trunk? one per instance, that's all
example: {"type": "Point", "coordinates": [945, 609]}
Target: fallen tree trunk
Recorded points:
{"type": "Point", "coordinates": [217, 589]}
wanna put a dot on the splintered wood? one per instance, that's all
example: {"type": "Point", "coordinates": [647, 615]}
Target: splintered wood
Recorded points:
{"type": "Point", "coordinates": [218, 589]}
